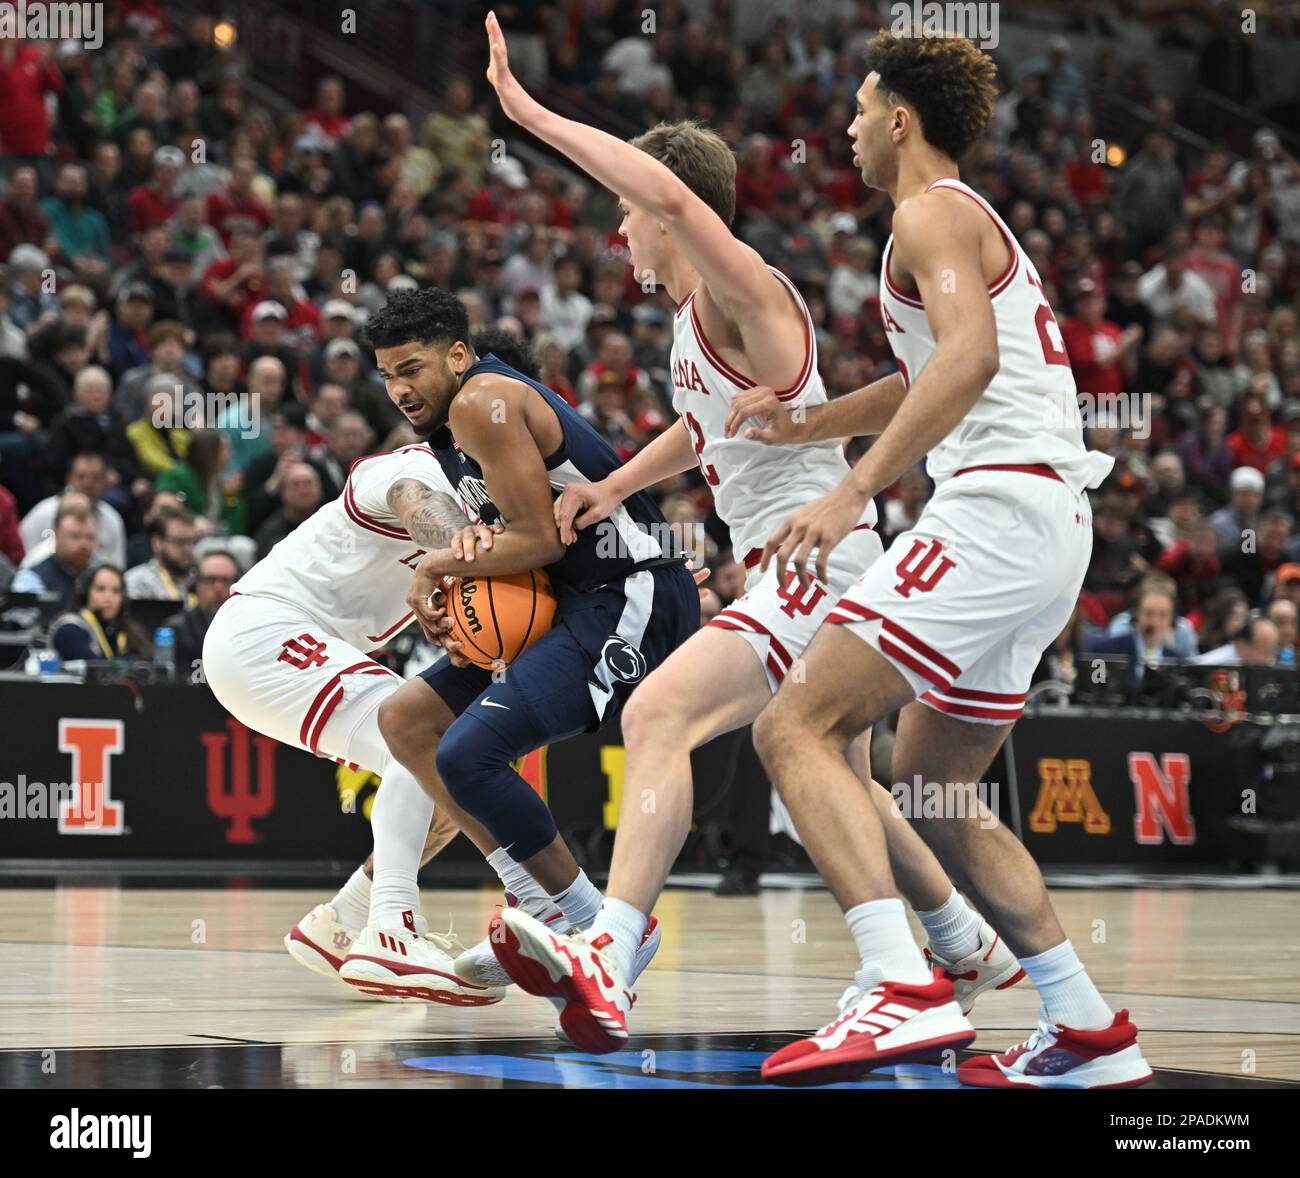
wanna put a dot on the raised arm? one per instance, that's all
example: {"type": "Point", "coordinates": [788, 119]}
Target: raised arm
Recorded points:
{"type": "Point", "coordinates": [736, 277]}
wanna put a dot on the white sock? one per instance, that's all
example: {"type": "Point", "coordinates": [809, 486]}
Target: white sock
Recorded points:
{"type": "Point", "coordinates": [626, 925]}
{"type": "Point", "coordinates": [1069, 996]}
{"type": "Point", "coordinates": [400, 823]}
{"type": "Point", "coordinates": [579, 902]}
{"type": "Point", "coordinates": [954, 927]}
{"type": "Point", "coordinates": [352, 903]}
{"type": "Point", "coordinates": [514, 878]}
{"type": "Point", "coordinates": [885, 945]}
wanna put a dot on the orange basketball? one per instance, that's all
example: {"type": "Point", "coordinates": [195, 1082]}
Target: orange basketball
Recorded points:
{"type": "Point", "coordinates": [498, 618]}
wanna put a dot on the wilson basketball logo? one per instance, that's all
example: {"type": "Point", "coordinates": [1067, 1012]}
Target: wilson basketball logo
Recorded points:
{"type": "Point", "coordinates": [303, 652]}
{"type": "Point", "coordinates": [92, 744]}
{"type": "Point", "coordinates": [922, 568]}
{"type": "Point", "coordinates": [468, 589]}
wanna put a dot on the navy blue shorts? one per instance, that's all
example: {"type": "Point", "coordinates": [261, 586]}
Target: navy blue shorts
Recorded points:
{"type": "Point", "coordinates": [580, 673]}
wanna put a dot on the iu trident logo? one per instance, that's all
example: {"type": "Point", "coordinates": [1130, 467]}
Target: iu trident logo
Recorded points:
{"type": "Point", "coordinates": [241, 803]}
{"type": "Point", "coordinates": [922, 568]}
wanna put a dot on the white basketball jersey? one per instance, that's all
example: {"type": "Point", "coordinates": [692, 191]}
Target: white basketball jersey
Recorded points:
{"type": "Point", "coordinates": [349, 566]}
{"type": "Point", "coordinates": [1029, 413]}
{"type": "Point", "coordinates": [755, 486]}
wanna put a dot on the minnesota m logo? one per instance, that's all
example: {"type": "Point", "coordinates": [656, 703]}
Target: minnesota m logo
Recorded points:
{"type": "Point", "coordinates": [1065, 795]}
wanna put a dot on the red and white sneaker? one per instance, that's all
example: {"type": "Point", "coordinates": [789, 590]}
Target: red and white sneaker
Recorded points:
{"type": "Point", "coordinates": [479, 965]}
{"type": "Point", "coordinates": [575, 969]}
{"type": "Point", "coordinates": [319, 942]}
{"type": "Point", "coordinates": [1062, 1057]}
{"type": "Point", "coordinates": [412, 962]}
{"type": "Point", "coordinates": [893, 1022]}
{"type": "Point", "coordinates": [990, 967]}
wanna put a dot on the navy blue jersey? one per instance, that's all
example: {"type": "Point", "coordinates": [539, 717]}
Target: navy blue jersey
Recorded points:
{"type": "Point", "coordinates": [635, 536]}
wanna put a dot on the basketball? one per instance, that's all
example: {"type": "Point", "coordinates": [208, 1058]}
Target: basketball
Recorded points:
{"type": "Point", "coordinates": [498, 618]}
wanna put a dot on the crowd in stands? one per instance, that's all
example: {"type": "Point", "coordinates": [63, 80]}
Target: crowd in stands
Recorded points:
{"type": "Point", "coordinates": [168, 244]}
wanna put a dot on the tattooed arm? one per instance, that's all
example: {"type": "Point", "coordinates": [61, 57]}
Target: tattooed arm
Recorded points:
{"type": "Point", "coordinates": [431, 518]}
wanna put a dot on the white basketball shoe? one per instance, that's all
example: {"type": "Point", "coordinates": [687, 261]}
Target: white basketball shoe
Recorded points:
{"type": "Point", "coordinates": [412, 962]}
{"type": "Point", "coordinates": [318, 942]}
{"type": "Point", "coordinates": [990, 967]}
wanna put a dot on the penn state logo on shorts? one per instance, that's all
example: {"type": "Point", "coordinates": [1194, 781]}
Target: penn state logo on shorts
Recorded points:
{"type": "Point", "coordinates": [625, 662]}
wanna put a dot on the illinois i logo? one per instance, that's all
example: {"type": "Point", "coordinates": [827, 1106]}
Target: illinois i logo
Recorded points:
{"type": "Point", "coordinates": [92, 809]}
{"type": "Point", "coordinates": [1065, 794]}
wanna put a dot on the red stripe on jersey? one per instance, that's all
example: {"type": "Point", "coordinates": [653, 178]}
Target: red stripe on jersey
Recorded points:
{"type": "Point", "coordinates": [910, 300]}
{"type": "Point", "coordinates": [1003, 280]}
{"type": "Point", "coordinates": [360, 518]}
{"type": "Point", "coordinates": [739, 378]}
{"type": "Point", "coordinates": [895, 631]}
{"type": "Point", "coordinates": [733, 614]}
{"type": "Point", "coordinates": [953, 709]}
{"type": "Point", "coordinates": [899, 655]}
{"type": "Point", "coordinates": [1038, 468]}
{"type": "Point", "coordinates": [321, 695]}
{"type": "Point", "coordinates": [393, 629]}
{"type": "Point", "coordinates": [989, 697]}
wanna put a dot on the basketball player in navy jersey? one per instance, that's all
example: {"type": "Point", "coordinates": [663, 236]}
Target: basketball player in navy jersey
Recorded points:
{"type": "Point", "coordinates": [509, 445]}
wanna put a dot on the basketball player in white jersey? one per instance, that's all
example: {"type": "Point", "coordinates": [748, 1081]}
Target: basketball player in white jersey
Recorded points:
{"type": "Point", "coordinates": [737, 321]}
{"type": "Point", "coordinates": [951, 624]}
{"type": "Point", "coordinates": [285, 656]}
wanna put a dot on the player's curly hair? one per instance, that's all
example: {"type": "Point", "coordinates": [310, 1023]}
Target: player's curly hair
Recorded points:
{"type": "Point", "coordinates": [427, 316]}
{"type": "Point", "coordinates": [699, 158]}
{"type": "Point", "coordinates": [949, 81]}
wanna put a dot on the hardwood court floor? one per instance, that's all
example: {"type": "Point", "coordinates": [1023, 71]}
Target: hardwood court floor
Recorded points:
{"type": "Point", "coordinates": [177, 987]}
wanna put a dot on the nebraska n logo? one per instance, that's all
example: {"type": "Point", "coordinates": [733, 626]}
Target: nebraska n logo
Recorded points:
{"type": "Point", "coordinates": [1162, 804]}
{"type": "Point", "coordinates": [92, 744]}
{"type": "Point", "coordinates": [921, 572]}
{"type": "Point", "coordinates": [1065, 795]}
{"type": "Point", "coordinates": [239, 801]}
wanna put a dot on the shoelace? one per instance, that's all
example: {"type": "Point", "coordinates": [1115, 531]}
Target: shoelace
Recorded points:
{"type": "Point", "coordinates": [448, 942]}
{"type": "Point", "coordinates": [849, 999]}
{"type": "Point", "coordinates": [1041, 1032]}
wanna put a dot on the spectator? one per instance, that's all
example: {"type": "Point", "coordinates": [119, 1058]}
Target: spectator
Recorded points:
{"type": "Point", "coordinates": [91, 424]}
{"type": "Point", "coordinates": [327, 115]}
{"type": "Point", "coordinates": [28, 73]}
{"type": "Point", "coordinates": [1172, 285]}
{"type": "Point", "coordinates": [156, 203]}
{"type": "Point", "coordinates": [98, 626]}
{"type": "Point", "coordinates": [1252, 563]}
{"type": "Point", "coordinates": [243, 420]}
{"type": "Point", "coordinates": [565, 310]}
{"type": "Point", "coordinates": [1254, 645]}
{"type": "Point", "coordinates": [457, 135]}
{"type": "Point", "coordinates": [167, 341]}
{"type": "Point", "coordinates": [217, 571]}
{"type": "Point", "coordinates": [167, 574]}
{"type": "Point", "coordinates": [1259, 443]}
{"type": "Point", "coordinates": [1097, 348]}
{"type": "Point", "coordinates": [1234, 521]}
{"type": "Point", "coordinates": [128, 341]}
{"type": "Point", "coordinates": [32, 306]}
{"type": "Point", "coordinates": [21, 219]}
{"type": "Point", "coordinates": [1283, 615]}
{"type": "Point", "coordinates": [78, 232]}
{"type": "Point", "coordinates": [200, 482]}
{"type": "Point", "coordinates": [265, 474]}
{"type": "Point", "coordinates": [349, 439]}
{"type": "Point", "coordinates": [1206, 456]}
{"type": "Point", "coordinates": [159, 438]}
{"type": "Point", "coordinates": [87, 476]}
{"type": "Point", "coordinates": [235, 204]}
{"type": "Point", "coordinates": [300, 496]}
{"type": "Point", "coordinates": [1152, 635]}
{"type": "Point", "coordinates": [1192, 563]}
{"type": "Point", "coordinates": [74, 546]}
{"type": "Point", "coordinates": [189, 230]}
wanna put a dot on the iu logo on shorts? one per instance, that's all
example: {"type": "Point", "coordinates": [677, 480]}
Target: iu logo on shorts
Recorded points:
{"type": "Point", "coordinates": [922, 568]}
{"type": "Point", "coordinates": [303, 652]}
{"type": "Point", "coordinates": [798, 599]}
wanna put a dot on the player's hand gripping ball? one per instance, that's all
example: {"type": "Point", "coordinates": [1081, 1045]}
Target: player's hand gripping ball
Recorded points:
{"type": "Point", "coordinates": [496, 619]}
